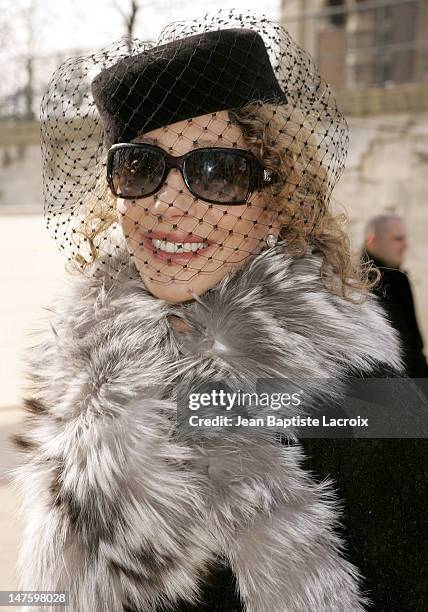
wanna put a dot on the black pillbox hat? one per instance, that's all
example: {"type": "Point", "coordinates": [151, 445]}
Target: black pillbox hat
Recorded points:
{"type": "Point", "coordinates": [200, 74]}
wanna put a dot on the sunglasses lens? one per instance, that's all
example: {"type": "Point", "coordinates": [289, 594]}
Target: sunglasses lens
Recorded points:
{"type": "Point", "coordinates": [137, 171]}
{"type": "Point", "coordinates": [219, 176]}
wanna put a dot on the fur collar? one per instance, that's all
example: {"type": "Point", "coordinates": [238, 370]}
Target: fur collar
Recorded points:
{"type": "Point", "coordinates": [272, 317]}
{"type": "Point", "coordinates": [118, 509]}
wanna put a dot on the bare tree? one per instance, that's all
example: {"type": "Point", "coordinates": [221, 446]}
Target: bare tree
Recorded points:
{"type": "Point", "coordinates": [5, 32]}
{"type": "Point", "coordinates": [129, 19]}
{"type": "Point", "coordinates": [29, 16]}
{"type": "Point", "coordinates": [19, 45]}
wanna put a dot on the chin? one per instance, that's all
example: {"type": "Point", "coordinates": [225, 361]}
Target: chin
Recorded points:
{"type": "Point", "coordinates": [179, 291]}
{"type": "Point", "coordinates": [176, 292]}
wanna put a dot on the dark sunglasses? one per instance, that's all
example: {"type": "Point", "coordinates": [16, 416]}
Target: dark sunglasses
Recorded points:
{"type": "Point", "coordinates": [213, 174]}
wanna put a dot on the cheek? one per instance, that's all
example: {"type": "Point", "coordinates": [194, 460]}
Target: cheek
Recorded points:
{"type": "Point", "coordinates": [258, 219]}
{"type": "Point", "coordinates": [241, 228]}
{"type": "Point", "coordinates": [132, 215]}
{"type": "Point", "coordinates": [124, 206]}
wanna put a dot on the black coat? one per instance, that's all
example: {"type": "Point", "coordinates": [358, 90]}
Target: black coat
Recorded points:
{"type": "Point", "coordinates": [383, 486]}
{"type": "Point", "coordinates": [395, 295]}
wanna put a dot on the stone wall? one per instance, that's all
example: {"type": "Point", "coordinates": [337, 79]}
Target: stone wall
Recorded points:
{"type": "Point", "coordinates": [20, 167]}
{"type": "Point", "coordinates": [386, 171]}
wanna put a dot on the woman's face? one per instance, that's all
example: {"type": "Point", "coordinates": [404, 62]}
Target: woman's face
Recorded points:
{"type": "Point", "coordinates": [182, 245]}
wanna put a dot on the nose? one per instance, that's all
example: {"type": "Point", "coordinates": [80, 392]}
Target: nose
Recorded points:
{"type": "Point", "coordinates": [173, 199]}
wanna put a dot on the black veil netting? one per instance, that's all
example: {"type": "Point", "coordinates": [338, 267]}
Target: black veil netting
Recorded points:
{"type": "Point", "coordinates": [229, 80]}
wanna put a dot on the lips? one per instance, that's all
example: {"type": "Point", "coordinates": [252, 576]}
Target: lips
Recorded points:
{"type": "Point", "coordinates": [176, 248]}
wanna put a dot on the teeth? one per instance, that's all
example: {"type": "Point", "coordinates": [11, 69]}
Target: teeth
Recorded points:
{"type": "Point", "coordinates": [178, 247]}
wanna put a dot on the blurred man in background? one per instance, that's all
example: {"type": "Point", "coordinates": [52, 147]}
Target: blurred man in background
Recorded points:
{"type": "Point", "coordinates": [385, 244]}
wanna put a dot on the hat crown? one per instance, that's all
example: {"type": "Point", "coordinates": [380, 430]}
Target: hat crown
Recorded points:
{"type": "Point", "coordinates": [184, 78]}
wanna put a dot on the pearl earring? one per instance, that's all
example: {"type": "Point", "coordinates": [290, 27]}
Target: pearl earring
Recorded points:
{"type": "Point", "coordinates": [271, 240]}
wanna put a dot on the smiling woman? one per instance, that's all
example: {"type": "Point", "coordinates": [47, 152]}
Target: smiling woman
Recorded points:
{"type": "Point", "coordinates": [190, 181]}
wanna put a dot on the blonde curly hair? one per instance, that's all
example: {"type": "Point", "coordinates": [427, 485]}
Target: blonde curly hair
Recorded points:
{"type": "Point", "coordinates": [283, 138]}
{"type": "Point", "coordinates": [300, 195]}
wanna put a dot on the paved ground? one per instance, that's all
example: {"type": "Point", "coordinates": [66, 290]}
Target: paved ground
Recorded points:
{"type": "Point", "coordinates": [30, 274]}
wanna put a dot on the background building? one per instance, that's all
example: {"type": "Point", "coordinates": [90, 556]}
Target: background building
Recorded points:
{"type": "Point", "coordinates": [374, 54]}
{"type": "Point", "coordinates": [362, 43]}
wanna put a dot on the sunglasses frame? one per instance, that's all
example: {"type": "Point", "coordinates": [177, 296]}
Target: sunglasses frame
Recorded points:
{"type": "Point", "coordinates": [259, 178]}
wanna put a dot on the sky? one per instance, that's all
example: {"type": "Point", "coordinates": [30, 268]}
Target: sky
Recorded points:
{"type": "Point", "coordinates": [90, 24]}
{"type": "Point", "coordinates": [52, 31]}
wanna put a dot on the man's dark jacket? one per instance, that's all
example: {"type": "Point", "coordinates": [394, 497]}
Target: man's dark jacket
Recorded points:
{"type": "Point", "coordinates": [396, 297]}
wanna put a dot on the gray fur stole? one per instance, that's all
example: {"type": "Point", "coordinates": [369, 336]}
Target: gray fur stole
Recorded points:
{"type": "Point", "coordinates": [119, 510]}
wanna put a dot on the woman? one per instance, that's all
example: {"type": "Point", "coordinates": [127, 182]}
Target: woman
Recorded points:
{"type": "Point", "coordinates": [211, 258]}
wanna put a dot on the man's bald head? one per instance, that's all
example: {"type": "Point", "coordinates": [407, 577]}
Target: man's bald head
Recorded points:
{"type": "Point", "coordinates": [385, 239]}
